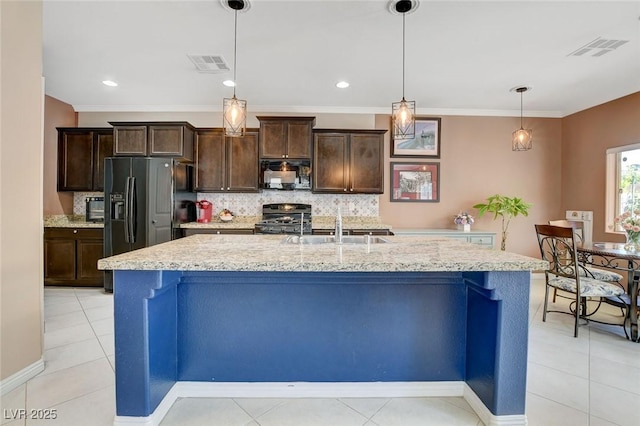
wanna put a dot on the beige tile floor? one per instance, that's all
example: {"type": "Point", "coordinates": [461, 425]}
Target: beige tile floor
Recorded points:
{"type": "Point", "coordinates": [592, 380]}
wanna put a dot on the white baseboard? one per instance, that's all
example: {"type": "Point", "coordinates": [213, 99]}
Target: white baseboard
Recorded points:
{"type": "Point", "coordinates": [487, 417]}
{"type": "Point", "coordinates": [21, 377]}
{"type": "Point", "coordinates": [320, 390]}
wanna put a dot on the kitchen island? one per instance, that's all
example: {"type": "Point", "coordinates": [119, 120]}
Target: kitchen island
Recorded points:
{"type": "Point", "coordinates": [216, 315]}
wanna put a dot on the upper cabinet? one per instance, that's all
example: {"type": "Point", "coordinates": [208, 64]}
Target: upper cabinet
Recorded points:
{"type": "Point", "coordinates": [154, 139]}
{"type": "Point", "coordinates": [226, 164]}
{"type": "Point", "coordinates": [348, 161]}
{"type": "Point", "coordinates": [286, 137]}
{"type": "Point", "coordinates": [81, 154]}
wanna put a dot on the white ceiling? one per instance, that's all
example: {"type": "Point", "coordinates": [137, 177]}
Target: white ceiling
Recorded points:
{"type": "Point", "coordinates": [462, 57]}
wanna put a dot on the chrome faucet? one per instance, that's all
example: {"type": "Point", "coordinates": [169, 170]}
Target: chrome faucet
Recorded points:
{"type": "Point", "coordinates": [338, 230]}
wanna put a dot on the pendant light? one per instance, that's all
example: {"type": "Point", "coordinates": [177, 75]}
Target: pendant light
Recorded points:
{"type": "Point", "coordinates": [234, 110]}
{"type": "Point", "coordinates": [403, 113]}
{"type": "Point", "coordinates": [522, 138]}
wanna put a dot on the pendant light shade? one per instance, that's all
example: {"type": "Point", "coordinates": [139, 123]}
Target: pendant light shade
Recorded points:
{"type": "Point", "coordinates": [404, 119]}
{"type": "Point", "coordinates": [521, 139]}
{"type": "Point", "coordinates": [234, 110]}
{"type": "Point", "coordinates": [403, 113]}
{"type": "Point", "coordinates": [234, 116]}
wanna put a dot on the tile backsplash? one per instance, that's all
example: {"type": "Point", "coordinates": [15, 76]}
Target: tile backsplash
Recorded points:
{"type": "Point", "coordinates": [250, 204]}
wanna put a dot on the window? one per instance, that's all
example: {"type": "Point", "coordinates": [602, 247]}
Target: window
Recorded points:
{"type": "Point", "coordinates": [623, 182]}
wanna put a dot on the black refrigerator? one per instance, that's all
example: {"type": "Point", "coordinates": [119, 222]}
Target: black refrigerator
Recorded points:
{"type": "Point", "coordinates": [145, 200]}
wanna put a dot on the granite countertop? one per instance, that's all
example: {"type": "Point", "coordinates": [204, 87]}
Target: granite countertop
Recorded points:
{"type": "Point", "coordinates": [269, 253]}
{"type": "Point", "coordinates": [317, 222]}
{"type": "Point", "coordinates": [70, 221]}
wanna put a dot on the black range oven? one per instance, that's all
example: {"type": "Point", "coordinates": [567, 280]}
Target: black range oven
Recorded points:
{"type": "Point", "coordinates": [285, 218]}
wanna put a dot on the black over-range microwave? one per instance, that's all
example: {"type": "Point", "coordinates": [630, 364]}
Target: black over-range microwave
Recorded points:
{"type": "Point", "coordinates": [285, 175]}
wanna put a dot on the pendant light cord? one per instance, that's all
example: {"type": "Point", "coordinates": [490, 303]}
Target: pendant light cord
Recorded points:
{"type": "Point", "coordinates": [521, 110]}
{"type": "Point", "coordinates": [235, 49]}
{"type": "Point", "coordinates": [403, 36]}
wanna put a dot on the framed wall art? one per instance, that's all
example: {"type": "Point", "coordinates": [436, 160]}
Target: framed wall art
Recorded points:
{"type": "Point", "coordinates": [425, 144]}
{"type": "Point", "coordinates": [415, 182]}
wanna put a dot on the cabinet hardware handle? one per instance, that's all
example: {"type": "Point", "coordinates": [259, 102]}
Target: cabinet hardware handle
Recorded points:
{"type": "Point", "coordinates": [75, 231]}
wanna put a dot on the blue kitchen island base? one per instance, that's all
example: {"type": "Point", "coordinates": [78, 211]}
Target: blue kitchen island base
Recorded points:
{"type": "Point", "coordinates": [324, 329]}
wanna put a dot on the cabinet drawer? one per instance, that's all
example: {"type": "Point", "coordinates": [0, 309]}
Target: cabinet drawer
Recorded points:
{"type": "Point", "coordinates": [370, 232]}
{"type": "Point", "coordinates": [236, 231]}
{"type": "Point", "coordinates": [74, 233]}
{"type": "Point", "coordinates": [482, 241]}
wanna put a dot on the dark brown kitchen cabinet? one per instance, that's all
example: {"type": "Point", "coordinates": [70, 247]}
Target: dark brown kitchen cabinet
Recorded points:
{"type": "Point", "coordinates": [231, 231]}
{"type": "Point", "coordinates": [286, 137]}
{"type": "Point", "coordinates": [348, 161]}
{"type": "Point", "coordinates": [81, 154]}
{"type": "Point", "coordinates": [226, 164]}
{"type": "Point", "coordinates": [154, 139]}
{"type": "Point", "coordinates": [71, 256]}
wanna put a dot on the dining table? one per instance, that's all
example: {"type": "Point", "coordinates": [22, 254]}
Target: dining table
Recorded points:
{"type": "Point", "coordinates": [615, 256]}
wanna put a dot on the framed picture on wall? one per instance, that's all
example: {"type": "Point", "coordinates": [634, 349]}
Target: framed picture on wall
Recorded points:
{"type": "Point", "coordinates": [425, 144]}
{"type": "Point", "coordinates": [415, 182]}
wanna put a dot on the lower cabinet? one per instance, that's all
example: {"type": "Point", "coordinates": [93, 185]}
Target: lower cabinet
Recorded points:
{"type": "Point", "coordinates": [71, 256]}
{"type": "Point", "coordinates": [236, 231]}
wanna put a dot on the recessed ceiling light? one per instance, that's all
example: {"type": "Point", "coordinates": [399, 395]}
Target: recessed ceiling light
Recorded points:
{"type": "Point", "coordinates": [342, 84]}
{"type": "Point", "coordinates": [229, 83]}
{"type": "Point", "coordinates": [109, 83]}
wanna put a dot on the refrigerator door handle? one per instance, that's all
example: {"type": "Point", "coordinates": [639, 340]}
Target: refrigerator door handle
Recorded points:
{"type": "Point", "coordinates": [133, 222]}
{"type": "Point", "coordinates": [127, 202]}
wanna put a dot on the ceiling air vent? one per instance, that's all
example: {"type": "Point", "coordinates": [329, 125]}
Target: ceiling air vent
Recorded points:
{"type": "Point", "coordinates": [598, 47]}
{"type": "Point", "coordinates": [214, 64]}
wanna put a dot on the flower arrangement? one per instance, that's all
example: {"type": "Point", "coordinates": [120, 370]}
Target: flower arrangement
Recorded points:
{"type": "Point", "coordinates": [463, 218]}
{"type": "Point", "coordinates": [629, 222]}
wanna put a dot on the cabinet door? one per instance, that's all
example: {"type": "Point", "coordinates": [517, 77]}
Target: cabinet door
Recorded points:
{"type": "Point", "coordinates": [210, 160]}
{"type": "Point", "coordinates": [242, 161]}
{"type": "Point", "coordinates": [298, 139]}
{"type": "Point", "coordinates": [166, 141]}
{"type": "Point", "coordinates": [272, 139]}
{"type": "Point", "coordinates": [59, 260]}
{"type": "Point", "coordinates": [130, 140]}
{"type": "Point", "coordinates": [366, 170]}
{"type": "Point", "coordinates": [329, 162]}
{"type": "Point", "coordinates": [102, 148]}
{"type": "Point", "coordinates": [88, 252]}
{"type": "Point", "coordinates": [75, 160]}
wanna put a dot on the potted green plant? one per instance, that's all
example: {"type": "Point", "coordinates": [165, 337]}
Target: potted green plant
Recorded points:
{"type": "Point", "coordinates": [505, 207]}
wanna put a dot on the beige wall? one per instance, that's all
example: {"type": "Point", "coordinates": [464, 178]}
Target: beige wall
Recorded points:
{"type": "Point", "coordinates": [476, 161]}
{"type": "Point", "coordinates": [56, 114]}
{"type": "Point", "coordinates": [586, 135]}
{"type": "Point", "coordinates": [21, 185]}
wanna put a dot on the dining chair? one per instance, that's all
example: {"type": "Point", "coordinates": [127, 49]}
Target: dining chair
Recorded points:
{"type": "Point", "coordinates": [558, 247]}
{"type": "Point", "coordinates": [599, 274]}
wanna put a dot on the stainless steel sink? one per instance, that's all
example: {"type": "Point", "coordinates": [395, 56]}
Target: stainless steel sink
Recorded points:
{"type": "Point", "coordinates": [331, 239]}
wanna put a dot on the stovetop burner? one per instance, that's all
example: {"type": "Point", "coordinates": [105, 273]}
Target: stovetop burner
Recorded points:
{"type": "Point", "coordinates": [285, 218]}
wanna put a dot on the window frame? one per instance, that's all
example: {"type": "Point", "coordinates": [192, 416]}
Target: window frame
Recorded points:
{"type": "Point", "coordinates": [613, 184]}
